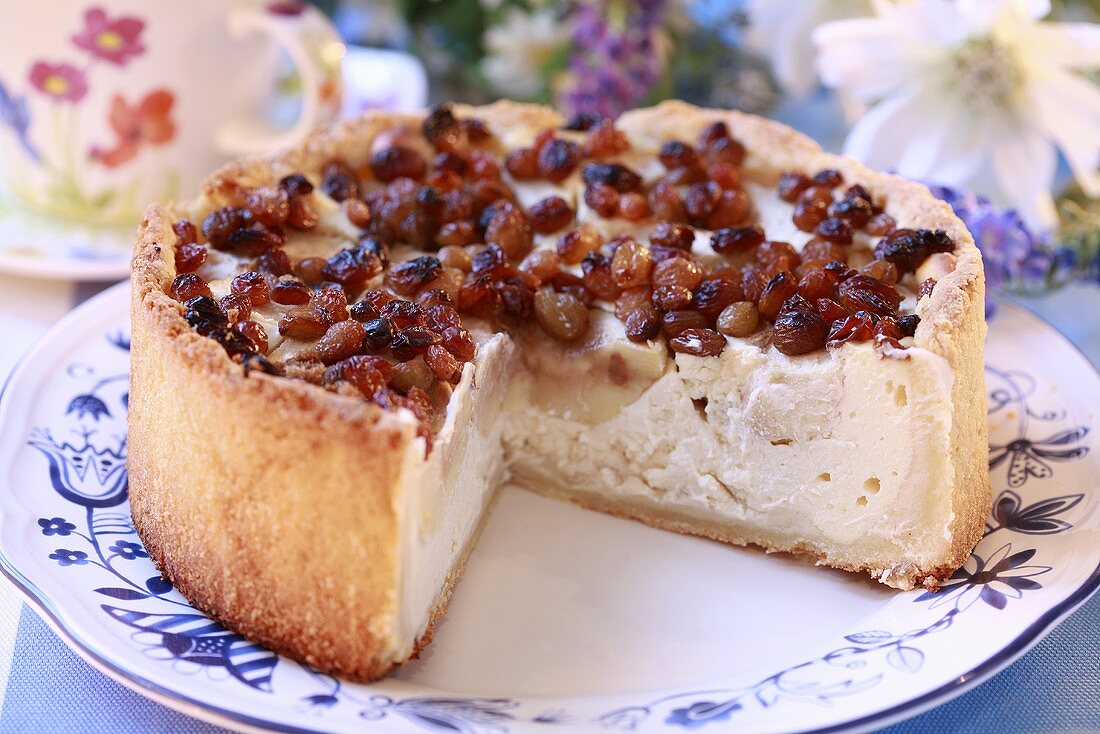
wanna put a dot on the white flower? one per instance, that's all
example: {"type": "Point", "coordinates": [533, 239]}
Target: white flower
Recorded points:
{"type": "Point", "coordinates": [964, 92]}
{"type": "Point", "coordinates": [781, 29]}
{"type": "Point", "coordinates": [518, 48]}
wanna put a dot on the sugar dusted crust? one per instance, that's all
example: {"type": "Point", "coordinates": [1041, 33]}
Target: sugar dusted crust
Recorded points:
{"type": "Point", "coordinates": [302, 555]}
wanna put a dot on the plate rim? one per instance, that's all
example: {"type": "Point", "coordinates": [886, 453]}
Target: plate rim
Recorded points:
{"type": "Point", "coordinates": [185, 704]}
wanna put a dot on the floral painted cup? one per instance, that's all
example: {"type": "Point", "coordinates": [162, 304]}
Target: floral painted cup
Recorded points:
{"type": "Point", "coordinates": [108, 106]}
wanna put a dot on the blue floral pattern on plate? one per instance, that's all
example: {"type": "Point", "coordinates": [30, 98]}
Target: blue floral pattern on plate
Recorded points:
{"type": "Point", "coordinates": [82, 452]}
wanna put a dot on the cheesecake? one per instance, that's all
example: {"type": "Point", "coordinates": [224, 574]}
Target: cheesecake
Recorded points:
{"type": "Point", "coordinates": [693, 318]}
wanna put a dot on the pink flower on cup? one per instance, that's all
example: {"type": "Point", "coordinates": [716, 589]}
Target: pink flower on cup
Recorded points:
{"type": "Point", "coordinates": [114, 40]}
{"type": "Point", "coordinates": [60, 81]}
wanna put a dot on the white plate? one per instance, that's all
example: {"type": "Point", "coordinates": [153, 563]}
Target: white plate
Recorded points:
{"type": "Point", "coordinates": [565, 618]}
{"type": "Point", "coordinates": [38, 246]}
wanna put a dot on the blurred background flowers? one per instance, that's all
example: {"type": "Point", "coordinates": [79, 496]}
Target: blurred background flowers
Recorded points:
{"type": "Point", "coordinates": [994, 103]}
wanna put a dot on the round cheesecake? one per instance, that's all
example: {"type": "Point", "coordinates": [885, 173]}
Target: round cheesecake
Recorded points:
{"type": "Point", "coordinates": [693, 318]}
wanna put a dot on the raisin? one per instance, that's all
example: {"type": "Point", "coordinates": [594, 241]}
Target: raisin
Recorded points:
{"type": "Point", "coordinates": [829, 178]}
{"type": "Point", "coordinates": [698, 342]}
{"type": "Point", "coordinates": [274, 262]}
{"type": "Point", "coordinates": [410, 276]}
{"type": "Point", "coordinates": [728, 240]}
{"type": "Point", "coordinates": [253, 285]}
{"type": "Point", "coordinates": [602, 199]}
{"type": "Point", "coordinates": [817, 284]}
{"type": "Point", "coordinates": [775, 256]}
{"type": "Point", "coordinates": [863, 293]}
{"type": "Point", "coordinates": [523, 164]}
{"type": "Point", "coordinates": [738, 319]}
{"type": "Point", "coordinates": [490, 261]}
{"type": "Point", "coordinates": [823, 251]}
{"type": "Point", "coordinates": [831, 311]}
{"type": "Point", "coordinates": [444, 131]}
{"type": "Point", "coordinates": [352, 268]}
{"type": "Point", "coordinates": [605, 140]}
{"type": "Point", "coordinates": [311, 270]}
{"type": "Point", "coordinates": [730, 210]}
{"type": "Point", "coordinates": [561, 315]}
{"type": "Point", "coordinates": [459, 343]}
{"type": "Point", "coordinates": [883, 270]}
{"type": "Point", "coordinates": [397, 162]}
{"type": "Point", "coordinates": [855, 210]}
{"type": "Point", "coordinates": [185, 231]}
{"type": "Point", "coordinates": [302, 214]}
{"type": "Point", "coordinates": [237, 307]}
{"type": "Point", "coordinates": [557, 159]}
{"type": "Point", "coordinates": [671, 297]}
{"type": "Point", "coordinates": [712, 296]}
{"type": "Point", "coordinates": [725, 150]}
{"type": "Point", "coordinates": [340, 341]}
{"type": "Point", "coordinates": [204, 313]}
{"type": "Point", "coordinates": [643, 324]}
{"type": "Point", "coordinates": [220, 224]}
{"type": "Point", "coordinates": [880, 224]}
{"type": "Point", "coordinates": [669, 234]}
{"type": "Point", "coordinates": [799, 331]}
{"type": "Point", "coordinates": [835, 230]}
{"type": "Point", "coordinates": [296, 185]}
{"type": "Point", "coordinates": [677, 154]}
{"type": "Point", "coordinates": [908, 324]}
{"type": "Point", "coordinates": [291, 293]}
{"type": "Point", "coordinates": [377, 335]}
{"type": "Point", "coordinates": [781, 287]}
{"type": "Point", "coordinates": [791, 185]}
{"type": "Point", "coordinates": [678, 272]}
{"type": "Point", "coordinates": [908, 248]}
{"type": "Point", "coordinates": [631, 264]}
{"type": "Point", "coordinates": [543, 264]}
{"type": "Point", "coordinates": [666, 204]}
{"type": "Point", "coordinates": [675, 322]}
{"type": "Point", "coordinates": [448, 162]}
{"type": "Point", "coordinates": [581, 121]}
{"type": "Point", "coordinates": [598, 279]}
{"type": "Point", "coordinates": [303, 322]}
{"type": "Point", "coordinates": [268, 206]}
{"type": "Point", "coordinates": [254, 333]}
{"type": "Point", "coordinates": [509, 229]}
{"type": "Point", "coordinates": [404, 314]}
{"type": "Point", "coordinates": [338, 181]}
{"type": "Point", "coordinates": [187, 286]}
{"type": "Point", "coordinates": [857, 327]}
{"type": "Point", "coordinates": [713, 132]}
{"type": "Point", "coordinates": [633, 207]}
{"type": "Point", "coordinates": [441, 362]}
{"type": "Point", "coordinates": [701, 200]}
{"type": "Point", "coordinates": [808, 214]}
{"type": "Point", "coordinates": [190, 257]}
{"type": "Point", "coordinates": [364, 373]}
{"type": "Point", "coordinates": [632, 299]}
{"type": "Point", "coordinates": [412, 342]}
{"type": "Point", "coordinates": [575, 245]}
{"type": "Point", "coordinates": [550, 214]}
{"type": "Point", "coordinates": [334, 302]}
{"type": "Point", "coordinates": [615, 175]}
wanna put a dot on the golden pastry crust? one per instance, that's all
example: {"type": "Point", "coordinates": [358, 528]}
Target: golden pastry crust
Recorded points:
{"type": "Point", "coordinates": [303, 555]}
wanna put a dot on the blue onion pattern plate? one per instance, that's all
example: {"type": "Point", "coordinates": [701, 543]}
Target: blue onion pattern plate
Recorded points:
{"type": "Point", "coordinates": [568, 620]}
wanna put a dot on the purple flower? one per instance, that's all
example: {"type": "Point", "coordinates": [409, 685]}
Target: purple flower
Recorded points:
{"type": "Point", "coordinates": [1016, 259]}
{"type": "Point", "coordinates": [14, 115]}
{"type": "Point", "coordinates": [615, 61]}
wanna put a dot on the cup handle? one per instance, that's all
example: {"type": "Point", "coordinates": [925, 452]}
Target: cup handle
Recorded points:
{"type": "Point", "coordinates": [316, 50]}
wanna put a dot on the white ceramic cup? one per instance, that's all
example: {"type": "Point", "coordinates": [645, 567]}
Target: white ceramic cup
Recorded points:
{"type": "Point", "coordinates": [107, 105]}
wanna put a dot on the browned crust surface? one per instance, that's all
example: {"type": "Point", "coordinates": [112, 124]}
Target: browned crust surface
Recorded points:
{"type": "Point", "coordinates": [301, 554]}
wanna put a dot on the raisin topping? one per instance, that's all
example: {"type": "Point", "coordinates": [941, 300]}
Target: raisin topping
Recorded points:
{"type": "Point", "coordinates": [557, 159]}
{"type": "Point", "coordinates": [338, 181]}
{"type": "Point", "coordinates": [582, 121]}
{"type": "Point", "coordinates": [799, 329]}
{"type": "Point", "coordinates": [550, 214]}
{"type": "Point", "coordinates": [397, 162]}
{"type": "Point", "coordinates": [615, 175]}
{"type": "Point", "coordinates": [187, 286]}
{"type": "Point", "coordinates": [410, 276]}
{"type": "Point", "coordinates": [729, 240]}
{"type": "Point", "coordinates": [908, 248]}
{"type": "Point", "coordinates": [444, 131]}
{"type": "Point", "coordinates": [698, 342]}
